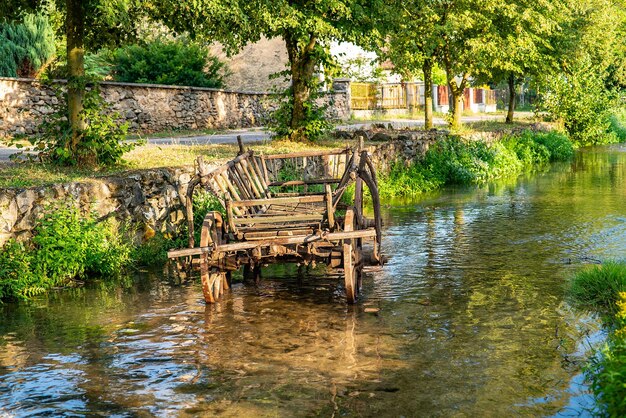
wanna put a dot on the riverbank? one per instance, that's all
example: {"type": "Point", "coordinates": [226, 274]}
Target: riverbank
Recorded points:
{"type": "Point", "coordinates": [410, 162]}
{"type": "Point", "coordinates": [602, 290]}
{"type": "Point", "coordinates": [470, 305]}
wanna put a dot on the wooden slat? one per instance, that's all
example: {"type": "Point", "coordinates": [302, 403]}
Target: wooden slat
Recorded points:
{"type": "Point", "coordinates": [241, 246]}
{"type": "Point", "coordinates": [306, 154]}
{"type": "Point", "coordinates": [231, 163]}
{"type": "Point", "coordinates": [257, 219]}
{"type": "Point", "coordinates": [303, 182]}
{"type": "Point", "coordinates": [280, 200]}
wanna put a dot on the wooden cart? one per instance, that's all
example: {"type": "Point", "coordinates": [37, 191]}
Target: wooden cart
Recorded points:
{"type": "Point", "coordinates": [270, 217]}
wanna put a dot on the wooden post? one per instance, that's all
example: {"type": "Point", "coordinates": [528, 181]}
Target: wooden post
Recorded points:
{"type": "Point", "coordinates": [240, 143]}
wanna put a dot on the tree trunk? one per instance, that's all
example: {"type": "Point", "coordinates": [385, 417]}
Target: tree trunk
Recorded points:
{"type": "Point", "coordinates": [457, 111]}
{"type": "Point", "coordinates": [302, 66]}
{"type": "Point", "coordinates": [75, 32]}
{"type": "Point", "coordinates": [509, 114]}
{"type": "Point", "coordinates": [428, 93]}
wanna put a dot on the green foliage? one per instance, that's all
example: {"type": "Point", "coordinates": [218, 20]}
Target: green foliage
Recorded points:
{"type": "Point", "coordinates": [25, 46]}
{"type": "Point", "coordinates": [597, 288]}
{"type": "Point", "coordinates": [618, 124]}
{"type": "Point", "coordinates": [581, 102]}
{"type": "Point", "coordinates": [102, 142]}
{"type": "Point", "coordinates": [457, 161]}
{"type": "Point", "coordinates": [177, 62]}
{"type": "Point", "coordinates": [602, 289]}
{"type": "Point", "coordinates": [153, 252]}
{"type": "Point", "coordinates": [65, 246]}
{"type": "Point", "coordinates": [313, 126]}
{"type": "Point", "coordinates": [17, 280]}
{"type": "Point", "coordinates": [607, 372]}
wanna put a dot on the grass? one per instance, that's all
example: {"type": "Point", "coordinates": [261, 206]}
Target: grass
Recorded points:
{"type": "Point", "coordinates": [144, 157]}
{"type": "Point", "coordinates": [596, 289]}
{"type": "Point", "coordinates": [460, 161]}
{"type": "Point", "coordinates": [602, 290]}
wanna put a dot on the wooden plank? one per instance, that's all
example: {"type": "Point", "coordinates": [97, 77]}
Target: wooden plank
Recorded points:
{"type": "Point", "coordinates": [242, 246]}
{"type": "Point", "coordinates": [330, 214]}
{"type": "Point", "coordinates": [265, 174]}
{"type": "Point", "coordinates": [280, 200]}
{"type": "Point", "coordinates": [306, 154]}
{"type": "Point", "coordinates": [275, 219]}
{"type": "Point", "coordinates": [219, 170]}
{"type": "Point", "coordinates": [303, 182]}
{"type": "Point", "coordinates": [260, 177]}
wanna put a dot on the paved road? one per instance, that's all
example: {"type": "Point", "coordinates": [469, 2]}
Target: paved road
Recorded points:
{"type": "Point", "coordinates": [259, 135]}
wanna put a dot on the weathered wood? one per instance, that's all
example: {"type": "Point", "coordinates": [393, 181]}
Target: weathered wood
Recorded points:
{"type": "Point", "coordinates": [330, 213]}
{"type": "Point", "coordinates": [280, 200]}
{"type": "Point", "coordinates": [242, 246]}
{"type": "Point", "coordinates": [231, 163]}
{"type": "Point", "coordinates": [240, 143]}
{"type": "Point", "coordinates": [303, 182]}
{"type": "Point", "coordinates": [307, 154]}
{"type": "Point", "coordinates": [265, 219]}
{"type": "Point", "coordinates": [265, 173]}
{"type": "Point", "coordinates": [348, 260]}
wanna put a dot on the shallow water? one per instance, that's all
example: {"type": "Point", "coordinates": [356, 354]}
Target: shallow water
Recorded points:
{"type": "Point", "coordinates": [471, 322]}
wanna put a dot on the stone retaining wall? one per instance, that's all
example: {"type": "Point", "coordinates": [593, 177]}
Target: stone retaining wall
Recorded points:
{"type": "Point", "coordinates": [148, 108]}
{"type": "Point", "coordinates": [149, 200]}
{"type": "Point", "coordinates": [152, 200]}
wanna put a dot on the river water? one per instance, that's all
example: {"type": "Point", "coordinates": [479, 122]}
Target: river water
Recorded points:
{"type": "Point", "coordinates": [468, 318]}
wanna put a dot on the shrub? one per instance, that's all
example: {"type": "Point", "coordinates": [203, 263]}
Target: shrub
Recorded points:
{"type": "Point", "coordinates": [457, 161]}
{"type": "Point", "coordinates": [153, 252]}
{"type": "Point", "coordinates": [580, 100]}
{"type": "Point", "coordinates": [25, 46]}
{"type": "Point", "coordinates": [602, 289]}
{"type": "Point", "coordinates": [65, 246]}
{"type": "Point", "coordinates": [102, 142]}
{"type": "Point", "coordinates": [175, 63]}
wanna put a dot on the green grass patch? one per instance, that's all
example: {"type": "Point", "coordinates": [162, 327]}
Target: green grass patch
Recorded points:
{"type": "Point", "coordinates": [145, 157]}
{"type": "Point", "coordinates": [602, 290]}
{"type": "Point", "coordinates": [460, 161]}
{"type": "Point", "coordinates": [597, 288]}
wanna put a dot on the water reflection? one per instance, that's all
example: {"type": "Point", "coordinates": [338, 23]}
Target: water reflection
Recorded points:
{"type": "Point", "coordinates": [469, 320]}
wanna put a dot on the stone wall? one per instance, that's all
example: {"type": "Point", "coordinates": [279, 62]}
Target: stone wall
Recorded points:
{"type": "Point", "coordinates": [148, 200]}
{"type": "Point", "coordinates": [24, 103]}
{"type": "Point", "coordinates": [152, 200]}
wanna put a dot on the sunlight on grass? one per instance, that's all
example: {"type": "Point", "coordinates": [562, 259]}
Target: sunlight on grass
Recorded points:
{"type": "Point", "coordinates": [149, 156]}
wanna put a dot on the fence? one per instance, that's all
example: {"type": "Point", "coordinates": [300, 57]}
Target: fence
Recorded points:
{"type": "Point", "coordinates": [410, 96]}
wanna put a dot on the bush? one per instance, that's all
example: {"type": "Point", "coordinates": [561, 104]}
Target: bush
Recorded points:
{"type": "Point", "coordinates": [602, 289]}
{"type": "Point", "coordinates": [25, 46]}
{"type": "Point", "coordinates": [580, 100]}
{"type": "Point", "coordinates": [65, 247]}
{"type": "Point", "coordinates": [174, 63]}
{"type": "Point", "coordinates": [153, 252]}
{"type": "Point", "coordinates": [102, 142]}
{"type": "Point", "coordinates": [457, 161]}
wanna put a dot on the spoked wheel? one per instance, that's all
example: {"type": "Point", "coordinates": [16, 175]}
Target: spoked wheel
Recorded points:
{"type": "Point", "coordinates": [352, 260]}
{"type": "Point", "coordinates": [214, 280]}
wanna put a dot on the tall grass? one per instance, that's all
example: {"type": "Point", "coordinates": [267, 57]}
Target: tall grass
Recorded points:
{"type": "Point", "coordinates": [460, 161]}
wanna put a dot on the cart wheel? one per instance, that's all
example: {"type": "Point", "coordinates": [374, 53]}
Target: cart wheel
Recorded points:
{"type": "Point", "coordinates": [352, 263]}
{"type": "Point", "coordinates": [214, 281]}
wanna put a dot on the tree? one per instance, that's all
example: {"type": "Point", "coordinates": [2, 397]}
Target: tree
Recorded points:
{"type": "Point", "coordinates": [411, 43]}
{"type": "Point", "coordinates": [26, 46]}
{"type": "Point", "coordinates": [307, 28]}
{"type": "Point", "coordinates": [519, 45]}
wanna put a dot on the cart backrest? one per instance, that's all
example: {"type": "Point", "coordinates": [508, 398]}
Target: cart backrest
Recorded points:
{"type": "Point", "coordinates": [251, 177]}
